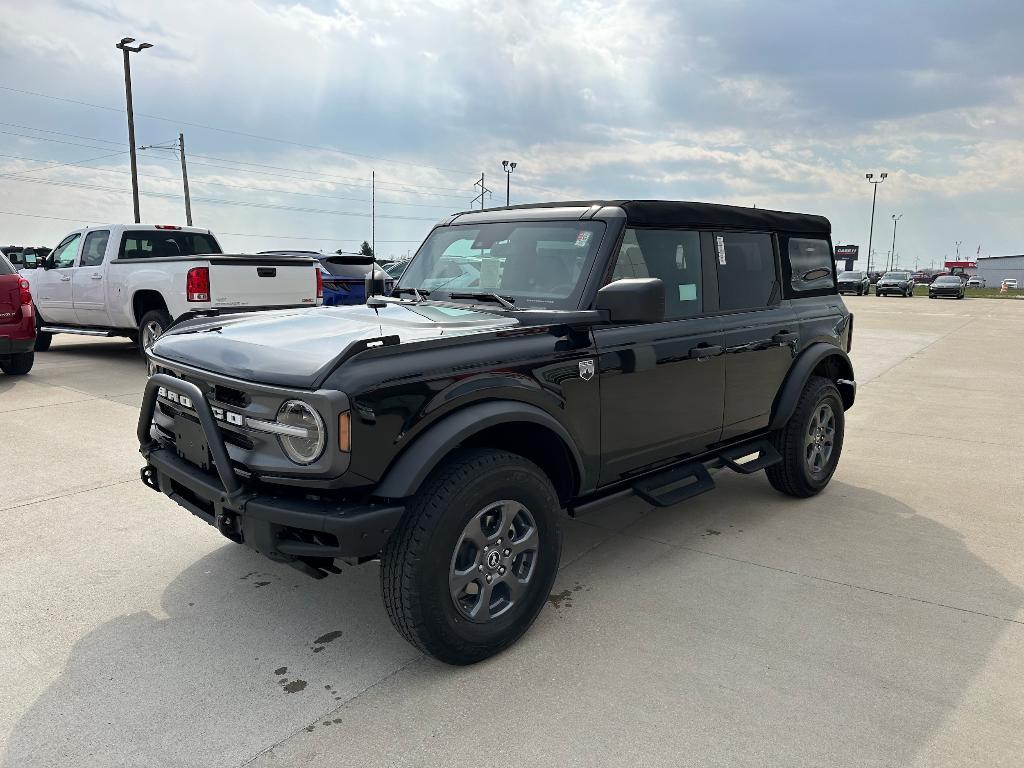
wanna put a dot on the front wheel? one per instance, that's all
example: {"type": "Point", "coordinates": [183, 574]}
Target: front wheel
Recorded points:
{"type": "Point", "coordinates": [472, 563]}
{"type": "Point", "coordinates": [811, 441]}
{"type": "Point", "coordinates": [19, 364]}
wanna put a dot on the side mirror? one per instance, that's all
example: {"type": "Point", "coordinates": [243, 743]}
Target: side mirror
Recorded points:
{"type": "Point", "coordinates": [46, 262]}
{"type": "Point", "coordinates": [635, 300]}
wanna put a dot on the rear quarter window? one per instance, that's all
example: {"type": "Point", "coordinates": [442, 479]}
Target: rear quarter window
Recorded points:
{"type": "Point", "coordinates": [810, 263]}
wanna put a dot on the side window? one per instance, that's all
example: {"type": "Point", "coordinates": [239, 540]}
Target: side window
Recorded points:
{"type": "Point", "coordinates": [65, 253]}
{"type": "Point", "coordinates": [746, 270]}
{"type": "Point", "coordinates": [94, 248]}
{"type": "Point", "coordinates": [669, 254]}
{"type": "Point", "coordinates": [810, 264]}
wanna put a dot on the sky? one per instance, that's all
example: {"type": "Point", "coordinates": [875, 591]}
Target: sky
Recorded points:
{"type": "Point", "coordinates": [288, 108]}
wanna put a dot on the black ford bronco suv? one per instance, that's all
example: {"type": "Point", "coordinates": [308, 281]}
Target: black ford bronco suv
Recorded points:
{"type": "Point", "coordinates": [530, 360]}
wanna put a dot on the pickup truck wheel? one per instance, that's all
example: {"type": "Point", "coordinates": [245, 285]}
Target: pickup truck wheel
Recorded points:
{"type": "Point", "coordinates": [19, 364]}
{"type": "Point", "coordinates": [151, 327]}
{"type": "Point", "coordinates": [43, 341]}
{"type": "Point", "coordinates": [811, 441]}
{"type": "Point", "coordinates": [473, 561]}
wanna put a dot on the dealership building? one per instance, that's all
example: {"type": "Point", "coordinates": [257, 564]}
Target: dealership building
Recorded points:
{"type": "Point", "coordinates": [995, 269]}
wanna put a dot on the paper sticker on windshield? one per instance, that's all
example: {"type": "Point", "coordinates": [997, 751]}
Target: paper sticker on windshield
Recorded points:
{"type": "Point", "coordinates": [720, 245]}
{"type": "Point", "coordinates": [489, 273]}
{"type": "Point", "coordinates": [583, 238]}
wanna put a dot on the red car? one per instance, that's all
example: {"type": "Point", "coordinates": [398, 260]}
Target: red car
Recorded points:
{"type": "Point", "coordinates": [17, 321]}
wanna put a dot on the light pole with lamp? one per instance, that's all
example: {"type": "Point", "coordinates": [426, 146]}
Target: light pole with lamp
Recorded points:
{"type": "Point", "coordinates": [508, 168]}
{"type": "Point", "coordinates": [126, 48]}
{"type": "Point", "coordinates": [874, 197]}
{"type": "Point", "coordinates": [895, 219]}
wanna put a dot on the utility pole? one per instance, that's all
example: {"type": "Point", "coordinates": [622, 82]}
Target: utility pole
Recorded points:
{"type": "Point", "coordinates": [126, 48]}
{"type": "Point", "coordinates": [895, 219]}
{"type": "Point", "coordinates": [958, 244]}
{"type": "Point", "coordinates": [483, 191]}
{"type": "Point", "coordinates": [508, 168]}
{"type": "Point", "coordinates": [874, 197]}
{"type": "Point", "coordinates": [184, 179]}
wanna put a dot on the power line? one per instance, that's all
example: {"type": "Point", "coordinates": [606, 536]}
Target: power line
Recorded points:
{"type": "Point", "coordinates": [79, 163]}
{"type": "Point", "coordinates": [61, 133]}
{"type": "Point", "coordinates": [236, 133]}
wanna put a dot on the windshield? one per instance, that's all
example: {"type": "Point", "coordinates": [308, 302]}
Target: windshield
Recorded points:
{"type": "Point", "coordinates": [536, 264]}
{"type": "Point", "coordinates": [851, 276]}
{"type": "Point", "coordinates": [896, 276]}
{"type": "Point", "coordinates": [948, 279]}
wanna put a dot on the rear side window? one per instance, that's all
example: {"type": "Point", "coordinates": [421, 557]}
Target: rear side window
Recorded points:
{"type": "Point", "coordinates": [94, 248]}
{"type": "Point", "coordinates": [746, 270]}
{"type": "Point", "coordinates": [6, 268]}
{"type": "Point", "coordinates": [669, 254]}
{"type": "Point", "coordinates": [159, 244]}
{"type": "Point", "coordinates": [810, 264]}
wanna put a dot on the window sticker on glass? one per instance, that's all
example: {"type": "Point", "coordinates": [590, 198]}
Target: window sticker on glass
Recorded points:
{"type": "Point", "coordinates": [582, 238]}
{"type": "Point", "coordinates": [688, 292]}
{"type": "Point", "coordinates": [489, 273]}
{"type": "Point", "coordinates": [720, 245]}
{"type": "Point", "coordinates": [680, 257]}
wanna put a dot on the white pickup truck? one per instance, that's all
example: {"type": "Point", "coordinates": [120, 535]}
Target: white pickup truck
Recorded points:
{"type": "Point", "coordinates": [136, 279]}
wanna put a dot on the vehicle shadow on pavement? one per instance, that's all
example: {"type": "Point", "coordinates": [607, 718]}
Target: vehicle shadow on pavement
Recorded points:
{"type": "Point", "coordinates": [780, 632]}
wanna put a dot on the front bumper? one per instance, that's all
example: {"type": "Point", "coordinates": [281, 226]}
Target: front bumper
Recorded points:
{"type": "Point", "coordinates": [884, 289]}
{"type": "Point", "coordinates": [952, 294]}
{"type": "Point", "coordinates": [307, 533]}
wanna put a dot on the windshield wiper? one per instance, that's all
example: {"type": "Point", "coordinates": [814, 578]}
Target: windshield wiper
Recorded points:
{"type": "Point", "coordinates": [419, 293]}
{"type": "Point", "coordinates": [505, 301]}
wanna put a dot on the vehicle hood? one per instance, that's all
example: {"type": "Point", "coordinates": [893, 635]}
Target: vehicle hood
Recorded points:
{"type": "Point", "coordinates": [299, 347]}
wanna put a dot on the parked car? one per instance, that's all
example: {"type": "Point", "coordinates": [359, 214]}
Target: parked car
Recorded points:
{"type": "Point", "coordinates": [17, 321]}
{"type": "Point", "coordinates": [949, 286]}
{"type": "Point", "coordinates": [898, 283]}
{"type": "Point", "coordinates": [442, 429]}
{"type": "Point", "coordinates": [976, 282]}
{"type": "Point", "coordinates": [134, 280]}
{"type": "Point", "coordinates": [25, 257]}
{"type": "Point", "coordinates": [854, 282]}
{"type": "Point", "coordinates": [343, 275]}
{"type": "Point", "coordinates": [922, 278]}
{"type": "Point", "coordinates": [1011, 283]}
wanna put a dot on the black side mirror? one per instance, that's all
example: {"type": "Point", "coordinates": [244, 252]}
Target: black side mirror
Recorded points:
{"type": "Point", "coordinates": [636, 300]}
{"type": "Point", "coordinates": [46, 262]}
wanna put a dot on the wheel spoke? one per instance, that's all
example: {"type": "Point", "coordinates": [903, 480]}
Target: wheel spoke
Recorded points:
{"type": "Point", "coordinates": [482, 610]}
{"type": "Point", "coordinates": [509, 510]}
{"type": "Point", "coordinates": [459, 580]}
{"type": "Point", "coordinates": [516, 587]}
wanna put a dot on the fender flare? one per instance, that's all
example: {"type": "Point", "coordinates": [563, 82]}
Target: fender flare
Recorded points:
{"type": "Point", "coordinates": [800, 373]}
{"type": "Point", "coordinates": [404, 477]}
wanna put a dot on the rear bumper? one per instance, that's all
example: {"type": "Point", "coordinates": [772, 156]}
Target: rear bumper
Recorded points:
{"type": "Point", "coordinates": [293, 529]}
{"type": "Point", "coordinates": [16, 346]}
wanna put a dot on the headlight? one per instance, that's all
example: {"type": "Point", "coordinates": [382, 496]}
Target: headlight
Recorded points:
{"type": "Point", "coordinates": [302, 447]}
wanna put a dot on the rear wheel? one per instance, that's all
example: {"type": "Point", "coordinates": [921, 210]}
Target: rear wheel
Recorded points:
{"type": "Point", "coordinates": [19, 364]}
{"type": "Point", "coordinates": [473, 560]}
{"type": "Point", "coordinates": [811, 441]}
{"type": "Point", "coordinates": [152, 327]}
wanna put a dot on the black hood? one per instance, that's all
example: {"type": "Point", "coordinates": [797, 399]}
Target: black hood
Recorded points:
{"type": "Point", "coordinates": [299, 347]}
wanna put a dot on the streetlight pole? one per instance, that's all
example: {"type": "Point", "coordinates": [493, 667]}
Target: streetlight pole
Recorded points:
{"type": "Point", "coordinates": [895, 219]}
{"type": "Point", "coordinates": [508, 168]}
{"type": "Point", "coordinates": [958, 244]}
{"type": "Point", "coordinates": [874, 197]}
{"type": "Point", "coordinates": [126, 48]}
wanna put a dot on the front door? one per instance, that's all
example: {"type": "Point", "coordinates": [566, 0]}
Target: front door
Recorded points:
{"type": "Point", "coordinates": [662, 384]}
{"type": "Point", "coordinates": [761, 330]}
{"type": "Point", "coordinates": [52, 287]}
{"type": "Point", "coordinates": [87, 281]}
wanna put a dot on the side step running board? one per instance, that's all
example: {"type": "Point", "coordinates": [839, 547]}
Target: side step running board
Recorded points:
{"type": "Point", "coordinates": [76, 331]}
{"type": "Point", "coordinates": [674, 485]}
{"type": "Point", "coordinates": [766, 457]}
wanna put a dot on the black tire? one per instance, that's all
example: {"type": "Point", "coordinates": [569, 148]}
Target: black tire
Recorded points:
{"type": "Point", "coordinates": [19, 364]}
{"type": "Point", "coordinates": [792, 476]}
{"type": "Point", "coordinates": [422, 553]}
{"type": "Point", "coordinates": [160, 319]}
{"type": "Point", "coordinates": [43, 341]}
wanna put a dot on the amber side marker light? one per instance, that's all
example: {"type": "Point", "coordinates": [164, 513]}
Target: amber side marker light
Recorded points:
{"type": "Point", "coordinates": [345, 431]}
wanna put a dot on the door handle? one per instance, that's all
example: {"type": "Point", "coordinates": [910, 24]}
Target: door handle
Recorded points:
{"type": "Point", "coordinates": [704, 351]}
{"type": "Point", "coordinates": [65, 279]}
{"type": "Point", "coordinates": [95, 277]}
{"type": "Point", "coordinates": [785, 337]}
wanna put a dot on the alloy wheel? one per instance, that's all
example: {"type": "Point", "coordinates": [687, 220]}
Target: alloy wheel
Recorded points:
{"type": "Point", "coordinates": [820, 438]}
{"type": "Point", "coordinates": [494, 560]}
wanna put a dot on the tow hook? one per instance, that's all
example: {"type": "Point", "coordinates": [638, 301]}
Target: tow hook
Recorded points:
{"type": "Point", "coordinates": [148, 475]}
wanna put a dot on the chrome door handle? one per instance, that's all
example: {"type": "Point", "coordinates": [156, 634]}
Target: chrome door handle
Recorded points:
{"type": "Point", "coordinates": [95, 277]}
{"type": "Point", "coordinates": [65, 279]}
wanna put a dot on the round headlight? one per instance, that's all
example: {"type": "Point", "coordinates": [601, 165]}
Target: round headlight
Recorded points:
{"type": "Point", "coordinates": [301, 448]}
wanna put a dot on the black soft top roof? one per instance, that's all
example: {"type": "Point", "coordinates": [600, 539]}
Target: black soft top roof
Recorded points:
{"type": "Point", "coordinates": [674, 213]}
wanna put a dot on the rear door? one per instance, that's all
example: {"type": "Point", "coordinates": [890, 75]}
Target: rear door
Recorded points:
{"type": "Point", "coordinates": [661, 383]}
{"type": "Point", "coordinates": [88, 283]}
{"type": "Point", "coordinates": [51, 288]}
{"type": "Point", "coordinates": [761, 329]}
{"type": "Point", "coordinates": [259, 281]}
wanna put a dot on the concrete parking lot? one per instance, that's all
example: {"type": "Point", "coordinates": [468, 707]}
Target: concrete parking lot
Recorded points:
{"type": "Point", "coordinates": [879, 624]}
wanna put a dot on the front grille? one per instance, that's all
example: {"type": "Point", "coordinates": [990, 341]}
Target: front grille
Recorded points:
{"type": "Point", "coordinates": [232, 438]}
{"type": "Point", "coordinates": [231, 396]}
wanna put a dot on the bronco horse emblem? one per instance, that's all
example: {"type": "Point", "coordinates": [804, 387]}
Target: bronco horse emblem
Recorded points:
{"type": "Point", "coordinates": [586, 369]}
